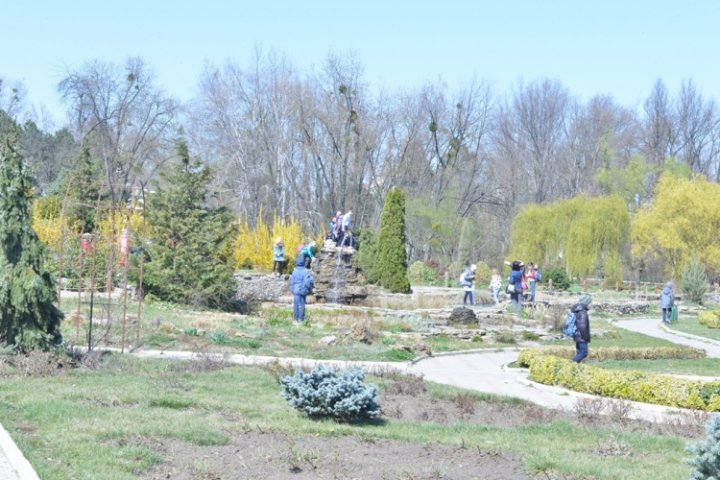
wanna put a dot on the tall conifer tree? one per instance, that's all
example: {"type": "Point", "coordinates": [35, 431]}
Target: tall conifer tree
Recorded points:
{"type": "Point", "coordinates": [188, 238]}
{"type": "Point", "coordinates": [392, 256]}
{"type": "Point", "coordinates": [27, 290]}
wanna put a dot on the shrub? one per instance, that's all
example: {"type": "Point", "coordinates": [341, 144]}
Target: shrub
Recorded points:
{"type": "Point", "coordinates": [614, 353]}
{"type": "Point", "coordinates": [421, 274]}
{"type": "Point", "coordinates": [694, 281]}
{"type": "Point", "coordinates": [326, 393]}
{"type": "Point", "coordinates": [560, 280]}
{"type": "Point", "coordinates": [706, 462]}
{"type": "Point", "coordinates": [391, 244]}
{"type": "Point", "coordinates": [710, 318]}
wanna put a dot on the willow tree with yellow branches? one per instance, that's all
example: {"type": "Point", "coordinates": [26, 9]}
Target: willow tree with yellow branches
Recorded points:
{"type": "Point", "coordinates": [682, 221]}
{"type": "Point", "coordinates": [586, 236]}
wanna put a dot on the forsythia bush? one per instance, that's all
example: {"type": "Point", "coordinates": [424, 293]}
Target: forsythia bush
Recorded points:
{"type": "Point", "coordinates": [614, 353]}
{"type": "Point", "coordinates": [46, 221]}
{"type": "Point", "coordinates": [327, 393]}
{"type": "Point", "coordinates": [254, 247]}
{"type": "Point", "coordinates": [630, 385]}
{"type": "Point", "coordinates": [710, 318]}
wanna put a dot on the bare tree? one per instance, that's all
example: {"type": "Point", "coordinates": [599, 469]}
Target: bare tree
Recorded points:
{"type": "Point", "coordinates": [698, 122]}
{"type": "Point", "coordinates": [659, 132]}
{"type": "Point", "coordinates": [125, 120]}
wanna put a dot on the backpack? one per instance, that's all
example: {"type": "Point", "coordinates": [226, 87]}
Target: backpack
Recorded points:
{"type": "Point", "coordinates": [570, 325]}
{"type": "Point", "coordinates": [307, 285]}
{"type": "Point", "coordinates": [462, 279]}
{"type": "Point", "coordinates": [538, 275]}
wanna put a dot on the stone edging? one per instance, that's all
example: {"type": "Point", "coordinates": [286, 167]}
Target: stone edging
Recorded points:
{"type": "Point", "coordinates": [15, 457]}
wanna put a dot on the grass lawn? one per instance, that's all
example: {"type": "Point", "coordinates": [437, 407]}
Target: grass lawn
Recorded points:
{"type": "Point", "coordinates": [99, 423]}
{"type": "Point", "coordinates": [691, 325]}
{"type": "Point", "coordinates": [359, 335]}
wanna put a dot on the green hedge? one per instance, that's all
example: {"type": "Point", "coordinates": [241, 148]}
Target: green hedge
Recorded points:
{"type": "Point", "coordinates": [615, 353]}
{"type": "Point", "coordinates": [629, 385]}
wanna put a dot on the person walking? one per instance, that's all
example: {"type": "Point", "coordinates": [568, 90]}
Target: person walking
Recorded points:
{"type": "Point", "coordinates": [582, 332]}
{"type": "Point", "coordinates": [301, 285]}
{"type": "Point", "coordinates": [467, 283]}
{"type": "Point", "coordinates": [667, 300]}
{"type": "Point", "coordinates": [278, 257]}
{"type": "Point", "coordinates": [495, 285]}
{"type": "Point", "coordinates": [515, 287]}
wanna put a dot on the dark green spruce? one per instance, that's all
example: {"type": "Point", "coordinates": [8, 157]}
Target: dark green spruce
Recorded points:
{"type": "Point", "coordinates": [27, 290]}
{"type": "Point", "coordinates": [187, 239]}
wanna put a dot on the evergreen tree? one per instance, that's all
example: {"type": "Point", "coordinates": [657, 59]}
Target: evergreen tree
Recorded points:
{"type": "Point", "coordinates": [187, 239]}
{"type": "Point", "coordinates": [85, 181]}
{"type": "Point", "coordinates": [392, 256]}
{"type": "Point", "coordinates": [694, 281]}
{"type": "Point", "coordinates": [27, 290]}
{"type": "Point", "coordinates": [367, 254]}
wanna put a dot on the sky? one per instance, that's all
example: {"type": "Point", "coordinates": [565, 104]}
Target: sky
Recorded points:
{"type": "Point", "coordinates": [611, 47]}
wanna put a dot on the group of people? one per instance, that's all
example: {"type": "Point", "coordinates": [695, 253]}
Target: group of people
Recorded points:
{"type": "Point", "coordinates": [523, 283]}
{"type": "Point", "coordinates": [340, 229]}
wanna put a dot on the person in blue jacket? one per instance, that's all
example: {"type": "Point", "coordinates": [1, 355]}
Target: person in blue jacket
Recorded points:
{"type": "Point", "coordinates": [301, 285]}
{"type": "Point", "coordinates": [582, 321]}
{"type": "Point", "coordinates": [667, 300]}
{"type": "Point", "coordinates": [308, 254]}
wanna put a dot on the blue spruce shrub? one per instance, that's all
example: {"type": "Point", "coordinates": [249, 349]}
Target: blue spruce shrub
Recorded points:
{"type": "Point", "coordinates": [706, 463]}
{"type": "Point", "coordinates": [326, 393]}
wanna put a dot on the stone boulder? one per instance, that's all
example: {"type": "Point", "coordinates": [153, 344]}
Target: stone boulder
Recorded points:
{"type": "Point", "coordinates": [462, 316]}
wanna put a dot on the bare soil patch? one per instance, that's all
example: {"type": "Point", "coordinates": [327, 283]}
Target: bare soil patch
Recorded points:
{"type": "Point", "coordinates": [273, 455]}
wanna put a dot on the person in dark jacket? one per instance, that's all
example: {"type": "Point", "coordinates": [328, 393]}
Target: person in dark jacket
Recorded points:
{"type": "Point", "coordinates": [582, 333]}
{"type": "Point", "coordinates": [515, 286]}
{"type": "Point", "coordinates": [298, 285]}
{"type": "Point", "coordinates": [667, 300]}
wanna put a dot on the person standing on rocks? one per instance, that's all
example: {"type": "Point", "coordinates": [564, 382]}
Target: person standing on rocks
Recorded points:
{"type": "Point", "coordinates": [278, 257]}
{"type": "Point", "coordinates": [667, 300]}
{"type": "Point", "coordinates": [307, 254]}
{"type": "Point", "coordinates": [582, 332]}
{"type": "Point", "coordinates": [301, 285]}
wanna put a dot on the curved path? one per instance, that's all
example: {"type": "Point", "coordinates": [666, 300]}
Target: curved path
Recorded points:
{"type": "Point", "coordinates": [483, 371]}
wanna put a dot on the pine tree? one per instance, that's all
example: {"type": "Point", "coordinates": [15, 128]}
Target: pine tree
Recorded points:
{"type": "Point", "coordinates": [27, 290]}
{"type": "Point", "coordinates": [187, 239]}
{"type": "Point", "coordinates": [694, 281]}
{"type": "Point", "coordinates": [392, 256]}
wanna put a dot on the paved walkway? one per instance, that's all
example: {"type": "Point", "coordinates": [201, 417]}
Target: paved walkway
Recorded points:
{"type": "Point", "coordinates": [482, 371]}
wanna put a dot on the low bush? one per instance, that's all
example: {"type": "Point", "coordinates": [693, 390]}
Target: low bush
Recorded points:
{"type": "Point", "coordinates": [326, 393]}
{"type": "Point", "coordinates": [710, 318]}
{"type": "Point", "coordinates": [629, 385]}
{"type": "Point", "coordinates": [706, 460]}
{"type": "Point", "coordinates": [614, 353]}
{"type": "Point", "coordinates": [560, 280]}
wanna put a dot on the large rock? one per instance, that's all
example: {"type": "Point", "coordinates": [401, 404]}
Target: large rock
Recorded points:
{"type": "Point", "coordinates": [462, 316]}
{"type": "Point", "coordinates": [338, 277]}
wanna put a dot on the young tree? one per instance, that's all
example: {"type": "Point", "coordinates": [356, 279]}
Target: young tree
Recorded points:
{"type": "Point", "coordinates": [392, 257]}
{"type": "Point", "coordinates": [187, 239]}
{"type": "Point", "coordinates": [27, 290]}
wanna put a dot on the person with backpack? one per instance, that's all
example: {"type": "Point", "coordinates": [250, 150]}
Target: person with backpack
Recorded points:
{"type": "Point", "coordinates": [466, 282]}
{"type": "Point", "coordinates": [278, 257]}
{"type": "Point", "coordinates": [667, 300]}
{"type": "Point", "coordinates": [301, 285]}
{"type": "Point", "coordinates": [582, 327]}
{"type": "Point", "coordinates": [515, 287]}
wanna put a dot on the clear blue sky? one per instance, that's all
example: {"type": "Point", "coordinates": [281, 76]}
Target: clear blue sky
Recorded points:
{"type": "Point", "coordinates": [611, 47]}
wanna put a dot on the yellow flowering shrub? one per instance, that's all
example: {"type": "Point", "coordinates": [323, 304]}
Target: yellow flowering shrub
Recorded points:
{"type": "Point", "coordinates": [253, 247]}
